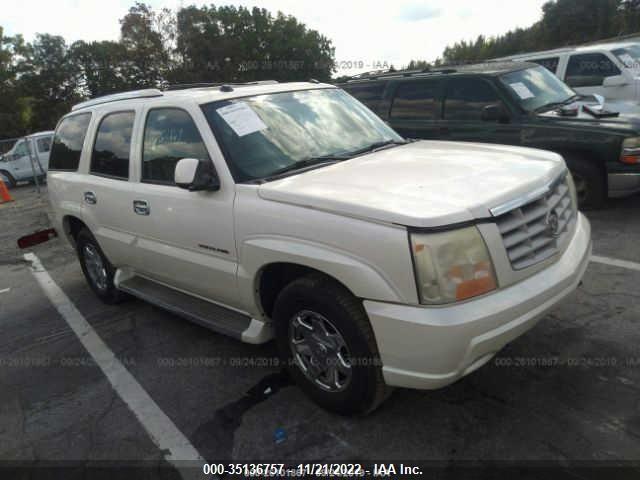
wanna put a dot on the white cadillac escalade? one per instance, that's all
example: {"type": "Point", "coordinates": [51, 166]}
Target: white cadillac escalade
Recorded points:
{"type": "Point", "coordinates": [290, 211]}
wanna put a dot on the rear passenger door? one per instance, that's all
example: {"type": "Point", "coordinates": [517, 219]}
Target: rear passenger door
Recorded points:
{"type": "Point", "coordinates": [185, 238]}
{"type": "Point", "coordinates": [465, 100]}
{"type": "Point", "coordinates": [416, 109]}
{"type": "Point", "coordinates": [107, 192]}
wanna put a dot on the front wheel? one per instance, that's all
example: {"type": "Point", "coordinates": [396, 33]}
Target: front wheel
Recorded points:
{"type": "Point", "coordinates": [7, 179]}
{"type": "Point", "coordinates": [325, 339]}
{"type": "Point", "coordinates": [97, 269]}
{"type": "Point", "coordinates": [589, 180]}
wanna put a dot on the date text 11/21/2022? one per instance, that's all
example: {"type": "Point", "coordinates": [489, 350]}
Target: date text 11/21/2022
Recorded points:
{"type": "Point", "coordinates": [279, 470]}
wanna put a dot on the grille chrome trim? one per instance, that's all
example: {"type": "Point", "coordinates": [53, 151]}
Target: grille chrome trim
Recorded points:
{"type": "Point", "coordinates": [518, 202]}
{"type": "Point", "coordinates": [537, 229]}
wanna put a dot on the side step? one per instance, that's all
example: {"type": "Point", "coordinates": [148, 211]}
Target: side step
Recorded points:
{"type": "Point", "coordinates": [207, 314]}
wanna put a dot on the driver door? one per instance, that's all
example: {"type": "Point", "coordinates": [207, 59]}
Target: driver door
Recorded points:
{"type": "Point", "coordinates": [185, 239]}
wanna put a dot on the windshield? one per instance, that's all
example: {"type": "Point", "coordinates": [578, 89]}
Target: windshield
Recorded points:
{"type": "Point", "coordinates": [629, 56]}
{"type": "Point", "coordinates": [536, 87]}
{"type": "Point", "coordinates": [266, 134]}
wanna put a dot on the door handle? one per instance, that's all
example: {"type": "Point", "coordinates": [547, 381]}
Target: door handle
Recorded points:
{"type": "Point", "coordinates": [141, 207]}
{"type": "Point", "coordinates": [444, 131]}
{"type": "Point", "coordinates": [90, 198]}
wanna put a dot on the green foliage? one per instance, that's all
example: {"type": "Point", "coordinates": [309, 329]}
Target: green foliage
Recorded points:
{"type": "Point", "coordinates": [41, 80]}
{"type": "Point", "coordinates": [564, 22]}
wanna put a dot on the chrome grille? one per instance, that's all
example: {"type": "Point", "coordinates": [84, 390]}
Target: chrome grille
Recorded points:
{"type": "Point", "coordinates": [537, 230]}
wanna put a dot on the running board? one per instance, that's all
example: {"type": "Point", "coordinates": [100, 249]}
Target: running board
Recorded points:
{"type": "Point", "coordinates": [207, 314]}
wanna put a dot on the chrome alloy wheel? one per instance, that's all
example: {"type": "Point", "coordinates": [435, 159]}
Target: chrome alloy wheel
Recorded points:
{"type": "Point", "coordinates": [95, 266]}
{"type": "Point", "coordinates": [320, 351]}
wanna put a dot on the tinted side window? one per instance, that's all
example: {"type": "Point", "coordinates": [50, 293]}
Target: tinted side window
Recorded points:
{"type": "Point", "coordinates": [550, 63]}
{"type": "Point", "coordinates": [68, 141]}
{"type": "Point", "coordinates": [466, 97]}
{"type": "Point", "coordinates": [44, 144]}
{"type": "Point", "coordinates": [369, 94]}
{"type": "Point", "coordinates": [589, 70]}
{"type": "Point", "coordinates": [111, 149]}
{"type": "Point", "coordinates": [169, 135]}
{"type": "Point", "coordinates": [421, 100]}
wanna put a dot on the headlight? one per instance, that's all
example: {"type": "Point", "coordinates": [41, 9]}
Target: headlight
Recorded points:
{"type": "Point", "coordinates": [452, 266]}
{"type": "Point", "coordinates": [630, 151]}
{"type": "Point", "coordinates": [572, 190]}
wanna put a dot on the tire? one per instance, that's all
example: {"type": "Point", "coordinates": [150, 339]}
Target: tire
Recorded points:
{"type": "Point", "coordinates": [315, 299]}
{"type": "Point", "coordinates": [97, 269]}
{"type": "Point", "coordinates": [589, 180]}
{"type": "Point", "coordinates": [8, 179]}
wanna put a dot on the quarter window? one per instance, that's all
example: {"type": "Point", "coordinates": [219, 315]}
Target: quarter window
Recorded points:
{"type": "Point", "coordinates": [112, 147]}
{"type": "Point", "coordinates": [68, 141]}
{"type": "Point", "coordinates": [169, 135]}
{"type": "Point", "coordinates": [466, 97]}
{"type": "Point", "coordinates": [589, 70]}
{"type": "Point", "coordinates": [421, 100]}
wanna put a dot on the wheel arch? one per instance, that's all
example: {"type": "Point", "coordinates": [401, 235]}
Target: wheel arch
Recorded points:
{"type": "Point", "coordinates": [71, 226]}
{"type": "Point", "coordinates": [269, 264]}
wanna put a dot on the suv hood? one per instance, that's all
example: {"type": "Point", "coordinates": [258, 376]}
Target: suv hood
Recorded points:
{"type": "Point", "coordinates": [421, 184]}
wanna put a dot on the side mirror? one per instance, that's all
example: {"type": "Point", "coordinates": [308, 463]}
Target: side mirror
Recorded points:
{"type": "Point", "coordinates": [193, 175]}
{"type": "Point", "coordinates": [494, 113]}
{"type": "Point", "coordinates": [615, 81]}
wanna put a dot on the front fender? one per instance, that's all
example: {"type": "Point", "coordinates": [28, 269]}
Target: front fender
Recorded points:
{"type": "Point", "coordinates": [359, 276]}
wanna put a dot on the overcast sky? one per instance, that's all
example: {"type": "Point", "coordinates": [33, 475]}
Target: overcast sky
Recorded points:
{"type": "Point", "coordinates": [374, 33]}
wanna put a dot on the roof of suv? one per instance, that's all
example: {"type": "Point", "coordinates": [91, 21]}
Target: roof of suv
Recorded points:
{"type": "Point", "coordinates": [487, 68]}
{"type": "Point", "coordinates": [202, 94]}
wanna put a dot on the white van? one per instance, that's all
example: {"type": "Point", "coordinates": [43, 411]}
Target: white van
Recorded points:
{"type": "Point", "coordinates": [15, 165]}
{"type": "Point", "coordinates": [609, 69]}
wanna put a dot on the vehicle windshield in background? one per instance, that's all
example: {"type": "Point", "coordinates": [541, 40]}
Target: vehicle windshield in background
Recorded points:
{"type": "Point", "coordinates": [265, 135]}
{"type": "Point", "coordinates": [536, 88]}
{"type": "Point", "coordinates": [629, 56]}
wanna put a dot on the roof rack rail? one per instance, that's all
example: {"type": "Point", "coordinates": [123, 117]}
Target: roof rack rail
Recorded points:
{"type": "Point", "coordinates": [399, 73]}
{"type": "Point", "coordinates": [186, 86]}
{"type": "Point", "coordinates": [115, 97]}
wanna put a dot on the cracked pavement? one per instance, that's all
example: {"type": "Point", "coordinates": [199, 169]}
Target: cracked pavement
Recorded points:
{"type": "Point", "coordinates": [567, 390]}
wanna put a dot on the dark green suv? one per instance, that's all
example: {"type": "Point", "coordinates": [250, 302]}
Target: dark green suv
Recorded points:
{"type": "Point", "coordinates": [515, 104]}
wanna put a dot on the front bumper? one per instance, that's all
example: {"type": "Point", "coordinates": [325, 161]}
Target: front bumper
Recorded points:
{"type": "Point", "coordinates": [623, 184]}
{"type": "Point", "coordinates": [430, 347]}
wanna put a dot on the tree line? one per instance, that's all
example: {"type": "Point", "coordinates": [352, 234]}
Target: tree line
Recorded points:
{"type": "Point", "coordinates": [42, 79]}
{"type": "Point", "coordinates": [563, 22]}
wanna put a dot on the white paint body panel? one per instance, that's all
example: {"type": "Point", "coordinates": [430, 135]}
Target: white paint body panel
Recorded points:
{"type": "Point", "coordinates": [422, 184]}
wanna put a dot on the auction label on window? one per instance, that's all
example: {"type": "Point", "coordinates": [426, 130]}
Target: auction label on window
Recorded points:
{"type": "Point", "coordinates": [241, 118]}
{"type": "Point", "coordinates": [522, 90]}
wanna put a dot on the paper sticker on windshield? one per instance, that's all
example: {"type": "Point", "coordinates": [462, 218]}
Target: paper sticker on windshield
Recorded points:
{"type": "Point", "coordinates": [522, 90]}
{"type": "Point", "coordinates": [241, 118]}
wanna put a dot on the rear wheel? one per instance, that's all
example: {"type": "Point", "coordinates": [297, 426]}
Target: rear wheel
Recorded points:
{"type": "Point", "coordinates": [97, 269]}
{"type": "Point", "coordinates": [7, 179]}
{"type": "Point", "coordinates": [589, 180]}
{"type": "Point", "coordinates": [325, 339]}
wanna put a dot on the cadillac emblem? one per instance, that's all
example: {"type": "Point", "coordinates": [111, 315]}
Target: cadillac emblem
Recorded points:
{"type": "Point", "coordinates": [553, 224]}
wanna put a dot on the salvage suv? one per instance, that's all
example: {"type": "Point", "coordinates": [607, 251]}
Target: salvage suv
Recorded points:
{"type": "Point", "coordinates": [291, 211]}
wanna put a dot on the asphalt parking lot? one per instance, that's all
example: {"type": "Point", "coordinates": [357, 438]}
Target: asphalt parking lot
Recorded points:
{"type": "Point", "coordinates": [567, 391]}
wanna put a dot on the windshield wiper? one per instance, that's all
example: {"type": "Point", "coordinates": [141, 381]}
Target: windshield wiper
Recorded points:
{"type": "Point", "coordinates": [375, 146]}
{"type": "Point", "coordinates": [303, 164]}
{"type": "Point", "coordinates": [552, 105]}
